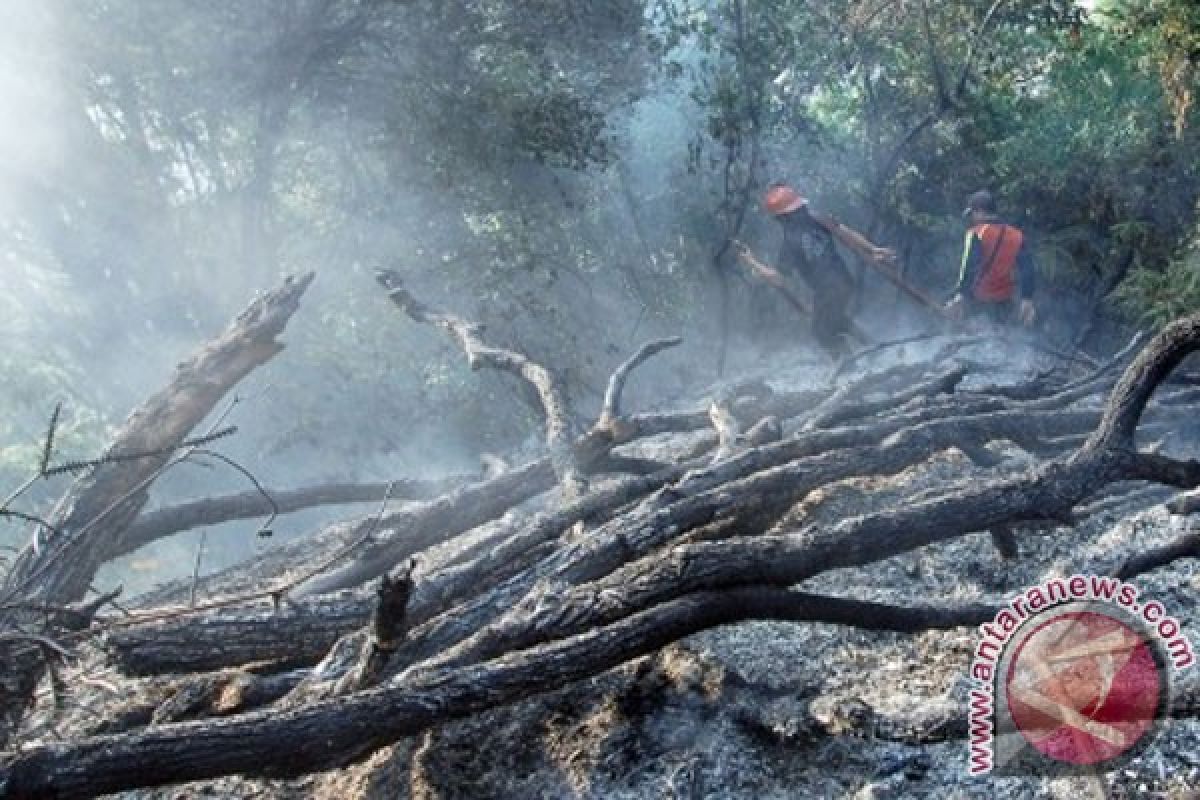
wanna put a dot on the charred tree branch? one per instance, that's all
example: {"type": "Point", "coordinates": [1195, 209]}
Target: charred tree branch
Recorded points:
{"type": "Point", "coordinates": [1186, 546]}
{"type": "Point", "coordinates": [479, 354]}
{"type": "Point", "coordinates": [162, 522]}
{"type": "Point", "coordinates": [332, 733]}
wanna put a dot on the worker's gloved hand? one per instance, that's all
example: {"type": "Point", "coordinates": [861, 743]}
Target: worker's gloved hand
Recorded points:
{"type": "Point", "coordinates": [1027, 313]}
{"type": "Point", "coordinates": [956, 307]}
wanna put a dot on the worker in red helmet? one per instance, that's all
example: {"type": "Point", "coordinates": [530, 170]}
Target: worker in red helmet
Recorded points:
{"type": "Point", "coordinates": [996, 280]}
{"type": "Point", "coordinates": [809, 251]}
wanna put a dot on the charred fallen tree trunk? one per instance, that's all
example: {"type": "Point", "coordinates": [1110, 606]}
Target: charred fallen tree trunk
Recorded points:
{"type": "Point", "coordinates": [90, 523]}
{"type": "Point", "coordinates": [621, 568]}
{"type": "Point", "coordinates": [817, 457]}
{"type": "Point", "coordinates": [330, 733]}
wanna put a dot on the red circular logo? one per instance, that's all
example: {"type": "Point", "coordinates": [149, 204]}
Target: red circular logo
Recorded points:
{"type": "Point", "coordinates": [1083, 687]}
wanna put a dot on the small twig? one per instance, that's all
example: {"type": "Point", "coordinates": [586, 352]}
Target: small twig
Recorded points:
{"type": "Point", "coordinates": [266, 526]}
{"type": "Point", "coordinates": [79, 466]}
{"type": "Point", "coordinates": [44, 641]}
{"type": "Point", "coordinates": [20, 490]}
{"type": "Point", "coordinates": [275, 594]}
{"type": "Point", "coordinates": [24, 517]}
{"type": "Point", "coordinates": [196, 569]}
{"type": "Point", "coordinates": [339, 555]}
{"type": "Point", "coordinates": [48, 447]}
{"type": "Point", "coordinates": [140, 486]}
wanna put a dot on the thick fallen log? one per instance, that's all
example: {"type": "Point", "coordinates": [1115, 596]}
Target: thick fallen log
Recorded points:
{"type": "Point", "coordinates": [296, 633]}
{"type": "Point", "coordinates": [335, 732]}
{"type": "Point", "coordinates": [1186, 546]}
{"type": "Point", "coordinates": [776, 476]}
{"type": "Point", "coordinates": [1048, 492]}
{"type": "Point", "coordinates": [303, 629]}
{"type": "Point", "coordinates": [176, 644]}
{"type": "Point", "coordinates": [576, 606]}
{"type": "Point", "coordinates": [164, 646]}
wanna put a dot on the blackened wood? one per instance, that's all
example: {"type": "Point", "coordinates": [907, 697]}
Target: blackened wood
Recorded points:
{"type": "Point", "coordinates": [334, 732]}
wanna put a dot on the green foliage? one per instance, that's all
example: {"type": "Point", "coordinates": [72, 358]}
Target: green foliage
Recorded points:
{"type": "Point", "coordinates": [1158, 296]}
{"type": "Point", "coordinates": [1171, 30]}
{"type": "Point", "coordinates": [518, 163]}
{"type": "Point", "coordinates": [1086, 106]}
{"type": "Point", "coordinates": [1068, 118]}
{"type": "Point", "coordinates": [33, 384]}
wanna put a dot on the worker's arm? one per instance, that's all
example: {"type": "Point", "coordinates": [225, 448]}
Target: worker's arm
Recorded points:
{"type": "Point", "coordinates": [968, 270]}
{"type": "Point", "coordinates": [1026, 272]}
{"type": "Point", "coordinates": [1026, 283]}
{"type": "Point", "coordinates": [967, 273]}
{"type": "Point", "coordinates": [860, 244]}
{"type": "Point", "coordinates": [764, 272]}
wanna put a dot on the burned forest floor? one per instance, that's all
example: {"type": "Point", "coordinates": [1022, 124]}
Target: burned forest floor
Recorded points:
{"type": "Point", "coordinates": [773, 592]}
{"type": "Point", "coordinates": [772, 710]}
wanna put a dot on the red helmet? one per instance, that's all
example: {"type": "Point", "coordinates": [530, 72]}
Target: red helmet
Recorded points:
{"type": "Point", "coordinates": [781, 199]}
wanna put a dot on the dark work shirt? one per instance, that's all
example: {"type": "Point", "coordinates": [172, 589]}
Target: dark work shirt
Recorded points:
{"type": "Point", "coordinates": [809, 252]}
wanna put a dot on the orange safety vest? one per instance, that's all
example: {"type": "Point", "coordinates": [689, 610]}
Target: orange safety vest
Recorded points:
{"type": "Point", "coordinates": [999, 245]}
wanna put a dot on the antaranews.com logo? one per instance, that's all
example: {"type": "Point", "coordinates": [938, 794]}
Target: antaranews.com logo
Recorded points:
{"type": "Point", "coordinates": [1073, 675]}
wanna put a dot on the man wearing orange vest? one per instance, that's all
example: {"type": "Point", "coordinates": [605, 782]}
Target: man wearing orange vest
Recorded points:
{"type": "Point", "coordinates": [997, 277]}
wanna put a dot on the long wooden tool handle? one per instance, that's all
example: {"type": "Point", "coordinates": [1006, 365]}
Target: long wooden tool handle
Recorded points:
{"type": "Point", "coordinates": [858, 244]}
{"type": "Point", "coordinates": [762, 270]}
{"type": "Point", "coordinates": [759, 268]}
{"type": "Point", "coordinates": [913, 292]}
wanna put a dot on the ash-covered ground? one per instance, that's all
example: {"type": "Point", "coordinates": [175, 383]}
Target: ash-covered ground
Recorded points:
{"type": "Point", "coordinates": [781, 710]}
